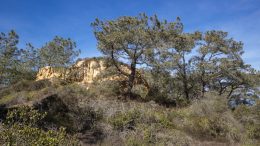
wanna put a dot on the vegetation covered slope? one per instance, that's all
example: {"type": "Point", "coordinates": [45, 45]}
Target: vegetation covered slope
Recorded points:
{"type": "Point", "coordinates": [102, 119]}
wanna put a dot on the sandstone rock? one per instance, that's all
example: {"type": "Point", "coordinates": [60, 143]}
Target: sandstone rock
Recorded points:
{"type": "Point", "coordinates": [85, 72]}
{"type": "Point", "coordinates": [50, 72]}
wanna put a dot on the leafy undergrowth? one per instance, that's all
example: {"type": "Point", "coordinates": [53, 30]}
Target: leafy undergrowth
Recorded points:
{"type": "Point", "coordinates": [22, 127]}
{"type": "Point", "coordinates": [103, 119]}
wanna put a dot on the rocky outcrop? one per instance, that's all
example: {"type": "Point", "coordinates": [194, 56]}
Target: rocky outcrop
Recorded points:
{"type": "Point", "coordinates": [85, 72]}
{"type": "Point", "coordinates": [50, 72]}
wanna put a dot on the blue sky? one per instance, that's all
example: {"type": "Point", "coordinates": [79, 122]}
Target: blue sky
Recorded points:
{"type": "Point", "coordinates": [38, 21]}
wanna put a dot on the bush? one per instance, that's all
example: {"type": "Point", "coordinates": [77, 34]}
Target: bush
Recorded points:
{"type": "Point", "coordinates": [65, 110]}
{"type": "Point", "coordinates": [250, 118]}
{"type": "Point", "coordinates": [72, 91]}
{"type": "Point", "coordinates": [128, 120]}
{"type": "Point", "coordinates": [147, 126]}
{"type": "Point", "coordinates": [210, 118]}
{"type": "Point", "coordinates": [25, 85]}
{"type": "Point", "coordinates": [24, 91]}
{"type": "Point", "coordinates": [21, 128]}
{"type": "Point", "coordinates": [106, 89]}
{"type": "Point", "coordinates": [154, 134]}
{"type": "Point", "coordinates": [140, 90]}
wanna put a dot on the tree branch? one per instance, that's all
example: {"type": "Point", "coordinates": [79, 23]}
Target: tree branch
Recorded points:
{"type": "Point", "coordinates": [116, 65]}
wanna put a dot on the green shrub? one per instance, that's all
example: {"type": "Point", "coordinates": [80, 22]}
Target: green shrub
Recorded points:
{"type": "Point", "coordinates": [210, 118]}
{"type": "Point", "coordinates": [26, 85]}
{"type": "Point", "coordinates": [65, 109]}
{"type": "Point", "coordinates": [182, 102]}
{"type": "Point", "coordinates": [250, 118]}
{"type": "Point", "coordinates": [21, 128]}
{"type": "Point", "coordinates": [106, 89]}
{"type": "Point", "coordinates": [158, 95]}
{"type": "Point", "coordinates": [7, 98]}
{"type": "Point", "coordinates": [157, 117]}
{"type": "Point", "coordinates": [155, 134]}
{"type": "Point", "coordinates": [23, 115]}
{"type": "Point", "coordinates": [73, 90]}
{"type": "Point", "coordinates": [128, 120]}
{"type": "Point", "coordinates": [218, 127]}
{"type": "Point", "coordinates": [140, 90]}
{"type": "Point", "coordinates": [253, 131]}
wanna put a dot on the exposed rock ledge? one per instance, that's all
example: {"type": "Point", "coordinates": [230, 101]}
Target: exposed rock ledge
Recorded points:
{"type": "Point", "coordinates": [84, 71]}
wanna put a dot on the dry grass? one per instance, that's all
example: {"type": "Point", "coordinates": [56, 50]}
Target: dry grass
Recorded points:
{"type": "Point", "coordinates": [207, 121]}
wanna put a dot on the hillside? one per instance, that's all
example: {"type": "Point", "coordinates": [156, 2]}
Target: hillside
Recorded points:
{"type": "Point", "coordinates": [97, 115]}
{"type": "Point", "coordinates": [155, 84]}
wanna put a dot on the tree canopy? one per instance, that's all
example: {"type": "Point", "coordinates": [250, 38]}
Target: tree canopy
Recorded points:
{"type": "Point", "coordinates": [197, 62]}
{"type": "Point", "coordinates": [59, 52]}
{"type": "Point", "coordinates": [23, 63]}
{"type": "Point", "coordinates": [127, 40]}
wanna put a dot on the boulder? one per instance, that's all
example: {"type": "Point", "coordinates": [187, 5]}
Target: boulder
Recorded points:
{"type": "Point", "coordinates": [236, 100]}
